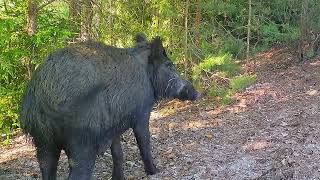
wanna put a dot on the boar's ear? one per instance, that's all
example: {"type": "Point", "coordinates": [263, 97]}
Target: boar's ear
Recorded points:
{"type": "Point", "coordinates": [156, 48]}
{"type": "Point", "coordinates": [140, 37]}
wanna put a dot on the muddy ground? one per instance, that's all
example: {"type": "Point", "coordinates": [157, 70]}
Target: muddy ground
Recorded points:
{"type": "Point", "coordinates": [272, 131]}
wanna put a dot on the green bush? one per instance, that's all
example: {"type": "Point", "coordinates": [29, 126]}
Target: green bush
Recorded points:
{"type": "Point", "coordinates": [223, 94]}
{"type": "Point", "coordinates": [216, 91]}
{"type": "Point", "coordinates": [9, 110]}
{"type": "Point", "coordinates": [273, 33]}
{"type": "Point", "coordinates": [233, 46]}
{"type": "Point", "coordinates": [226, 69]}
{"type": "Point", "coordinates": [240, 83]}
{"type": "Point", "coordinates": [212, 64]}
{"type": "Point", "coordinates": [16, 48]}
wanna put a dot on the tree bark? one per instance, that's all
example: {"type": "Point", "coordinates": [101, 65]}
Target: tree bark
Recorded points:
{"type": "Point", "coordinates": [171, 33]}
{"type": "Point", "coordinates": [185, 57]}
{"type": "Point", "coordinates": [75, 15]}
{"type": "Point", "coordinates": [31, 30]}
{"type": "Point", "coordinates": [111, 22]}
{"type": "Point", "coordinates": [158, 17]}
{"type": "Point", "coordinates": [96, 19]}
{"type": "Point", "coordinates": [32, 17]}
{"type": "Point", "coordinates": [86, 23]}
{"type": "Point", "coordinates": [198, 23]}
{"type": "Point", "coordinates": [33, 9]}
{"type": "Point", "coordinates": [186, 30]}
{"type": "Point", "coordinates": [303, 30]}
{"type": "Point", "coordinates": [249, 29]}
{"type": "Point", "coordinates": [5, 6]}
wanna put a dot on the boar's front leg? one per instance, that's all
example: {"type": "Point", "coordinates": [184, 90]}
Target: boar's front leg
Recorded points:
{"type": "Point", "coordinates": [142, 134]}
{"type": "Point", "coordinates": [117, 157]}
{"type": "Point", "coordinates": [81, 161]}
{"type": "Point", "coordinates": [48, 158]}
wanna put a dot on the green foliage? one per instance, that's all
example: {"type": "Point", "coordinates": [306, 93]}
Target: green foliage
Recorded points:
{"type": "Point", "coordinates": [217, 91]}
{"type": "Point", "coordinates": [240, 83]}
{"type": "Point", "coordinates": [222, 94]}
{"type": "Point", "coordinates": [233, 46]}
{"type": "Point", "coordinates": [9, 110]}
{"type": "Point", "coordinates": [225, 67]}
{"type": "Point", "coordinates": [17, 49]}
{"type": "Point", "coordinates": [272, 34]}
{"type": "Point", "coordinates": [237, 84]}
{"type": "Point", "coordinates": [213, 64]}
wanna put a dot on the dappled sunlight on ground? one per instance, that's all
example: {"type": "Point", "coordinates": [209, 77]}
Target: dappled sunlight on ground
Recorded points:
{"type": "Point", "coordinates": [172, 107]}
{"type": "Point", "coordinates": [271, 54]}
{"type": "Point", "coordinates": [256, 145]}
{"type": "Point", "coordinates": [257, 93]}
{"type": "Point", "coordinates": [20, 147]}
{"type": "Point", "coordinates": [312, 92]}
{"type": "Point", "coordinates": [15, 153]}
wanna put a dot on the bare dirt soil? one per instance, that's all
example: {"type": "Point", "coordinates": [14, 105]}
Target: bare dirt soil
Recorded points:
{"type": "Point", "coordinates": [272, 131]}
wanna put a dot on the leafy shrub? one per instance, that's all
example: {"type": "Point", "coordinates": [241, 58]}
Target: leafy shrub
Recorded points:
{"type": "Point", "coordinates": [9, 108]}
{"type": "Point", "coordinates": [240, 83]}
{"type": "Point", "coordinates": [233, 46]}
{"type": "Point", "coordinates": [222, 94]}
{"type": "Point", "coordinates": [213, 64]}
{"type": "Point", "coordinates": [273, 33]}
{"type": "Point", "coordinates": [236, 84]}
{"type": "Point", "coordinates": [224, 82]}
{"type": "Point", "coordinates": [17, 48]}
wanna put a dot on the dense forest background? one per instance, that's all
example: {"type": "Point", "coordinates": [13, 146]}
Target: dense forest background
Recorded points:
{"type": "Point", "coordinates": [207, 39]}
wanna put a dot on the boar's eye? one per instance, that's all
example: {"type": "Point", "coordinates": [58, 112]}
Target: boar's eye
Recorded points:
{"type": "Point", "coordinates": [165, 54]}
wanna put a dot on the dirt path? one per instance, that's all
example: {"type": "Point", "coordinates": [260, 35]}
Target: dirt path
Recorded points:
{"type": "Point", "coordinates": [271, 132]}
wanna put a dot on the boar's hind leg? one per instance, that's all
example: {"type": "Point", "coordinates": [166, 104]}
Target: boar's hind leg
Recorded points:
{"type": "Point", "coordinates": [81, 161]}
{"type": "Point", "coordinates": [117, 157]}
{"type": "Point", "coordinates": [48, 160]}
{"type": "Point", "coordinates": [142, 135]}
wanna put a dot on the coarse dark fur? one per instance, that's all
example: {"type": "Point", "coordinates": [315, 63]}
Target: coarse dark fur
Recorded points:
{"type": "Point", "coordinates": [86, 95]}
{"type": "Point", "coordinates": [90, 86]}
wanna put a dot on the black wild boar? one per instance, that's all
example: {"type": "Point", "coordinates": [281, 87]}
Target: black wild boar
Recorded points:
{"type": "Point", "coordinates": [83, 97]}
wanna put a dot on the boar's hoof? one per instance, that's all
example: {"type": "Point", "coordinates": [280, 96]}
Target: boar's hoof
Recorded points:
{"type": "Point", "coordinates": [152, 170]}
{"type": "Point", "coordinates": [118, 177]}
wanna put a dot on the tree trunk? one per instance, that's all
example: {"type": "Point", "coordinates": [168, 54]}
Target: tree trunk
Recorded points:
{"type": "Point", "coordinates": [96, 19]}
{"type": "Point", "coordinates": [158, 17]}
{"type": "Point", "coordinates": [86, 23]}
{"type": "Point", "coordinates": [75, 15]}
{"type": "Point", "coordinates": [111, 22]}
{"type": "Point", "coordinates": [5, 6]}
{"type": "Point", "coordinates": [171, 33]}
{"type": "Point", "coordinates": [143, 13]}
{"type": "Point", "coordinates": [186, 30]}
{"type": "Point", "coordinates": [197, 24]}
{"type": "Point", "coordinates": [33, 10]}
{"type": "Point", "coordinates": [249, 30]}
{"type": "Point", "coordinates": [303, 30]}
{"type": "Point", "coordinates": [32, 17]}
{"type": "Point", "coordinates": [31, 30]}
{"type": "Point", "coordinates": [185, 57]}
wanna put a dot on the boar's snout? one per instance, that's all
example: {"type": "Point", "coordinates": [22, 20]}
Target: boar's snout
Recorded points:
{"type": "Point", "coordinates": [188, 92]}
{"type": "Point", "coordinates": [198, 95]}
